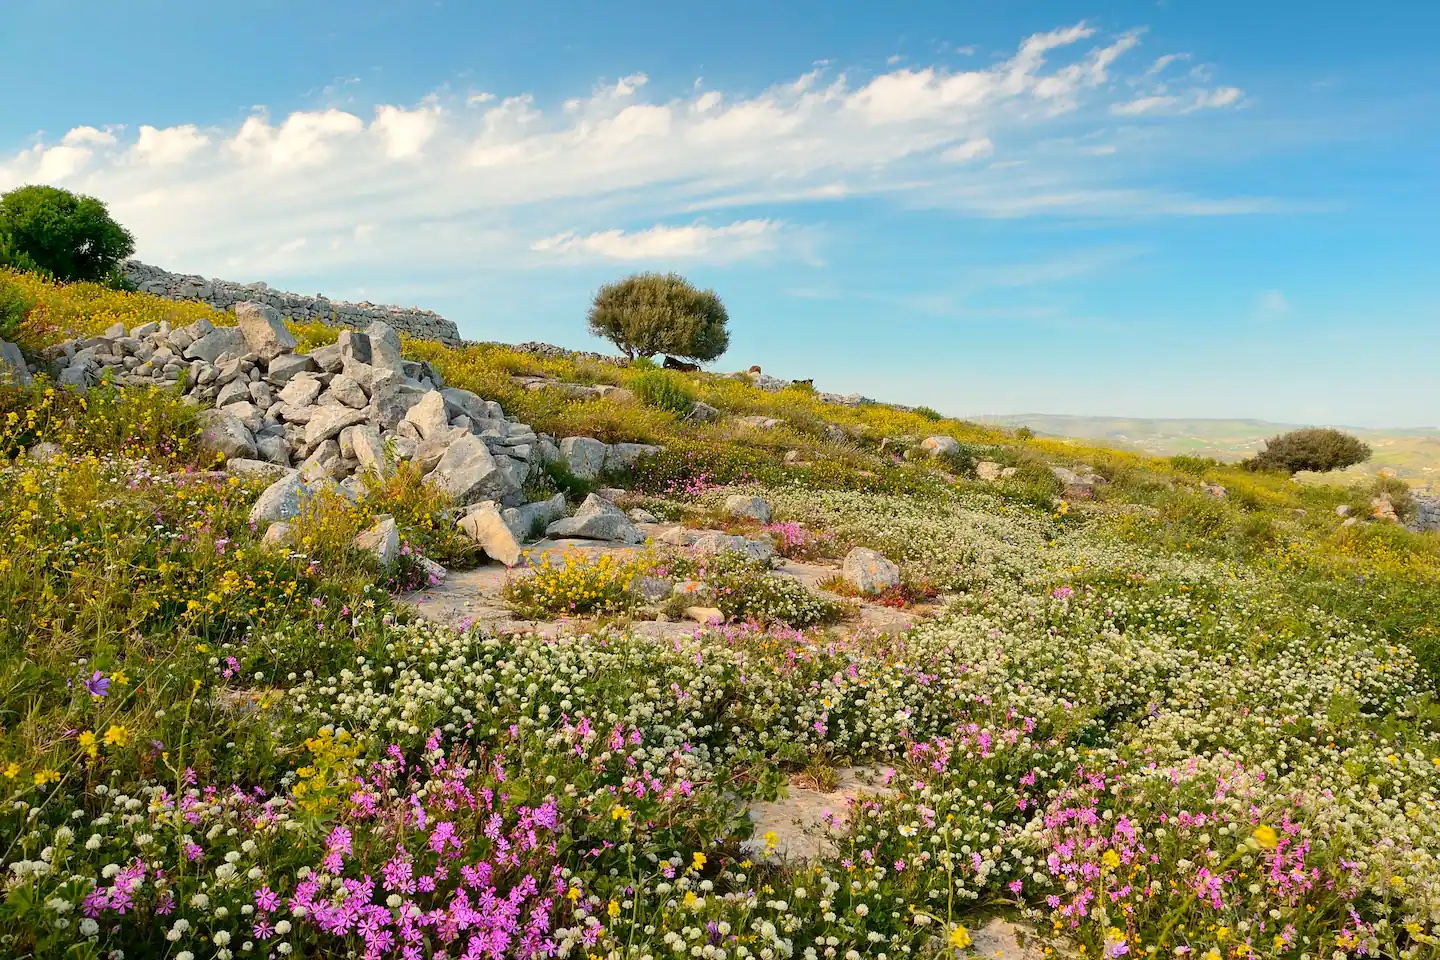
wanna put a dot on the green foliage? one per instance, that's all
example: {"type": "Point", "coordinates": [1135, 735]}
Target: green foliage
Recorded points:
{"type": "Point", "coordinates": [1195, 466]}
{"type": "Point", "coordinates": [929, 413]}
{"type": "Point", "coordinates": [65, 236]}
{"type": "Point", "coordinates": [663, 389]}
{"type": "Point", "coordinates": [651, 313]}
{"type": "Point", "coordinates": [14, 307]}
{"type": "Point", "coordinates": [1398, 492]}
{"type": "Point", "coordinates": [1319, 449]}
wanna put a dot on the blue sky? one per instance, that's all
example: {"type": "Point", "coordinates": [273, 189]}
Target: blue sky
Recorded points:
{"type": "Point", "coordinates": [1150, 209]}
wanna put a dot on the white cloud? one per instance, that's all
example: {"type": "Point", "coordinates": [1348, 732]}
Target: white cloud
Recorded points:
{"type": "Point", "coordinates": [743, 238]}
{"type": "Point", "coordinates": [171, 145]}
{"type": "Point", "coordinates": [460, 178]}
{"type": "Point", "coordinates": [1189, 102]}
{"type": "Point", "coordinates": [969, 150]}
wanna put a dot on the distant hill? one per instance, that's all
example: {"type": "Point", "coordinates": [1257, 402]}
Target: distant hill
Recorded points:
{"type": "Point", "coordinates": [1410, 453]}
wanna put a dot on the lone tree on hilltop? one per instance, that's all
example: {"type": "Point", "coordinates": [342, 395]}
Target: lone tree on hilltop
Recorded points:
{"type": "Point", "coordinates": [651, 313]}
{"type": "Point", "coordinates": [1319, 449]}
{"type": "Point", "coordinates": [69, 237]}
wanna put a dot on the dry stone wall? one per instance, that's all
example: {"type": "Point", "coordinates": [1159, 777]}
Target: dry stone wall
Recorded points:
{"type": "Point", "coordinates": [224, 295]}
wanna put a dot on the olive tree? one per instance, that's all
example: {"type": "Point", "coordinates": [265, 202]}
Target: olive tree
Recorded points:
{"type": "Point", "coordinates": [651, 313]}
{"type": "Point", "coordinates": [56, 232]}
{"type": "Point", "coordinates": [1319, 449]}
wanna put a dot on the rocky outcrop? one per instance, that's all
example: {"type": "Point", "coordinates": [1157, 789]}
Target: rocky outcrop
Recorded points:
{"type": "Point", "coordinates": [225, 295]}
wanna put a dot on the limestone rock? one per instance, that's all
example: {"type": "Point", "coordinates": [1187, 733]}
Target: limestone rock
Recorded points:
{"type": "Point", "coordinates": [468, 472]}
{"type": "Point", "coordinates": [12, 365]}
{"type": "Point", "coordinates": [748, 507]}
{"type": "Point", "coordinates": [489, 529]}
{"type": "Point", "coordinates": [368, 448]}
{"type": "Point", "coordinates": [264, 330]}
{"type": "Point", "coordinates": [328, 421]}
{"type": "Point", "coordinates": [225, 434]}
{"type": "Point", "coordinates": [255, 468]}
{"type": "Point", "coordinates": [530, 519]}
{"type": "Point", "coordinates": [583, 456]}
{"type": "Point", "coordinates": [428, 415]}
{"type": "Point", "coordinates": [287, 366]}
{"type": "Point", "coordinates": [704, 614]}
{"type": "Point", "coordinates": [988, 470]}
{"type": "Point", "coordinates": [382, 540]}
{"type": "Point", "coordinates": [277, 533]}
{"type": "Point", "coordinates": [702, 412]}
{"type": "Point", "coordinates": [760, 551]}
{"type": "Point", "coordinates": [869, 572]}
{"type": "Point", "coordinates": [940, 446]}
{"type": "Point", "coordinates": [301, 391]}
{"type": "Point", "coordinates": [652, 589]}
{"type": "Point", "coordinates": [285, 498]}
{"type": "Point", "coordinates": [597, 519]}
{"type": "Point", "coordinates": [215, 344]}
{"type": "Point", "coordinates": [624, 456]}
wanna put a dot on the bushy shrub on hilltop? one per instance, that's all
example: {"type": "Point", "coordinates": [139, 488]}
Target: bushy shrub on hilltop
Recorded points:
{"type": "Point", "coordinates": [1319, 449]}
{"type": "Point", "coordinates": [663, 389]}
{"type": "Point", "coordinates": [53, 231]}
{"type": "Point", "coordinates": [651, 313]}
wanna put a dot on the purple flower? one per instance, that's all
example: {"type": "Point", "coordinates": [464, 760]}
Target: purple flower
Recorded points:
{"type": "Point", "coordinates": [98, 685]}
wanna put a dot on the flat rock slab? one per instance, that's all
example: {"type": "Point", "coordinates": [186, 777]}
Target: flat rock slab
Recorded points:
{"type": "Point", "coordinates": [808, 822]}
{"type": "Point", "coordinates": [1000, 939]}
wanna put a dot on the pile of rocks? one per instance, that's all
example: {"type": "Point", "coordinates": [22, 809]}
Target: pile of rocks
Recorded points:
{"type": "Point", "coordinates": [1427, 513]}
{"type": "Point", "coordinates": [223, 295]}
{"type": "Point", "coordinates": [318, 419]}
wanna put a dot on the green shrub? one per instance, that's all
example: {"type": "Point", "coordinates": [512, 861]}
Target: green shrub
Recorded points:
{"type": "Point", "coordinates": [663, 389]}
{"type": "Point", "coordinates": [1319, 449]}
{"type": "Point", "coordinates": [1195, 466]}
{"type": "Point", "coordinates": [1398, 492]}
{"type": "Point", "coordinates": [14, 307]}
{"type": "Point", "coordinates": [651, 313]}
{"type": "Point", "coordinates": [66, 236]}
{"type": "Point", "coordinates": [929, 413]}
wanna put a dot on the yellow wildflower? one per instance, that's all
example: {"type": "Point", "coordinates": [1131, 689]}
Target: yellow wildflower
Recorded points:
{"type": "Point", "coordinates": [959, 937]}
{"type": "Point", "coordinates": [88, 743]}
{"type": "Point", "coordinates": [697, 862]}
{"type": "Point", "coordinates": [116, 736]}
{"type": "Point", "coordinates": [46, 776]}
{"type": "Point", "coordinates": [614, 908]}
{"type": "Point", "coordinates": [1266, 837]}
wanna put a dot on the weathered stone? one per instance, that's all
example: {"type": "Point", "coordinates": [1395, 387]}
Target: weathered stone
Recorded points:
{"type": "Point", "coordinates": [324, 461]}
{"type": "Point", "coordinates": [301, 391]}
{"type": "Point", "coordinates": [760, 551]}
{"type": "Point", "coordinates": [215, 344]}
{"type": "Point", "coordinates": [255, 468]}
{"type": "Point", "coordinates": [429, 417]}
{"type": "Point", "coordinates": [382, 541]}
{"type": "Point", "coordinates": [528, 521]}
{"type": "Point", "coordinates": [285, 498]}
{"type": "Point", "coordinates": [1214, 490]}
{"type": "Point", "coordinates": [869, 572]}
{"type": "Point", "coordinates": [12, 365]}
{"type": "Point", "coordinates": [45, 452]}
{"type": "Point", "coordinates": [583, 456]}
{"type": "Point", "coordinates": [705, 614]}
{"type": "Point", "coordinates": [639, 515]}
{"type": "Point", "coordinates": [487, 528]}
{"type": "Point", "coordinates": [264, 330]}
{"type": "Point", "coordinates": [384, 346]}
{"type": "Point", "coordinates": [287, 366]}
{"type": "Point", "coordinates": [277, 533]}
{"type": "Point", "coordinates": [369, 448]}
{"type": "Point", "coordinates": [354, 346]}
{"type": "Point", "coordinates": [328, 421]}
{"type": "Point", "coordinates": [328, 358]}
{"type": "Point", "coordinates": [468, 472]}
{"type": "Point", "coordinates": [348, 391]}
{"type": "Point", "coordinates": [236, 391]}
{"type": "Point", "coordinates": [225, 434]}
{"type": "Point", "coordinates": [748, 507]}
{"type": "Point", "coordinates": [273, 449]}
{"type": "Point", "coordinates": [392, 398]}
{"type": "Point", "coordinates": [462, 402]}
{"type": "Point", "coordinates": [702, 412]}
{"type": "Point", "coordinates": [652, 589]}
{"type": "Point", "coordinates": [623, 456]}
{"type": "Point", "coordinates": [940, 446]}
{"type": "Point", "coordinates": [597, 519]}
{"type": "Point", "coordinates": [988, 470]}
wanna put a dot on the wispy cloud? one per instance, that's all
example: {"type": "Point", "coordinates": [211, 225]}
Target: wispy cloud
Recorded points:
{"type": "Point", "coordinates": [617, 173]}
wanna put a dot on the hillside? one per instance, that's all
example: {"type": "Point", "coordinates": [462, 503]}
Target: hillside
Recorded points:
{"type": "Point", "coordinates": [333, 643]}
{"type": "Point", "coordinates": [1412, 454]}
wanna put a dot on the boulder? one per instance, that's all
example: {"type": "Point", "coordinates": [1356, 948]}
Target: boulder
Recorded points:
{"type": "Point", "coordinates": [215, 344]}
{"type": "Point", "coordinates": [368, 448]}
{"type": "Point", "coordinates": [287, 366]}
{"type": "Point", "coordinates": [652, 589]}
{"type": "Point", "coordinates": [277, 533]}
{"type": "Point", "coordinates": [255, 468]}
{"type": "Point", "coordinates": [530, 520]}
{"type": "Point", "coordinates": [760, 551]}
{"type": "Point", "coordinates": [748, 507]}
{"type": "Point", "coordinates": [264, 330]}
{"type": "Point", "coordinates": [468, 472]}
{"type": "Point", "coordinates": [583, 456]}
{"type": "Point", "coordinates": [639, 515]}
{"type": "Point", "coordinates": [226, 434]}
{"type": "Point", "coordinates": [273, 449]}
{"type": "Point", "coordinates": [286, 498]}
{"type": "Point", "coordinates": [12, 365]}
{"type": "Point", "coordinates": [348, 391]}
{"type": "Point", "coordinates": [428, 415]}
{"type": "Point", "coordinates": [464, 403]}
{"type": "Point", "coordinates": [392, 399]}
{"type": "Point", "coordinates": [597, 519]}
{"type": "Point", "coordinates": [1214, 490]}
{"type": "Point", "coordinates": [382, 540]}
{"type": "Point", "coordinates": [489, 529]}
{"type": "Point", "coordinates": [869, 572]}
{"type": "Point", "coordinates": [704, 614]}
{"type": "Point", "coordinates": [384, 346]}
{"type": "Point", "coordinates": [328, 358]}
{"type": "Point", "coordinates": [328, 421]}
{"type": "Point", "coordinates": [988, 470]}
{"type": "Point", "coordinates": [301, 391]}
{"type": "Point", "coordinates": [354, 346]}
{"type": "Point", "coordinates": [623, 456]}
{"type": "Point", "coordinates": [940, 446]}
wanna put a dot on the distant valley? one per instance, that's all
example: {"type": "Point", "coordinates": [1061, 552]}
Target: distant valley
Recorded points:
{"type": "Point", "coordinates": [1413, 454]}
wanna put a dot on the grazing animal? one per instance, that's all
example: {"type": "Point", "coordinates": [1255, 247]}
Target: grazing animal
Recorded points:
{"type": "Point", "coordinates": [672, 364]}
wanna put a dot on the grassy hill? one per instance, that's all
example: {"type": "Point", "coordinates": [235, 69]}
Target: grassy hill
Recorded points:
{"type": "Point", "coordinates": [1140, 706]}
{"type": "Point", "coordinates": [1411, 454]}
